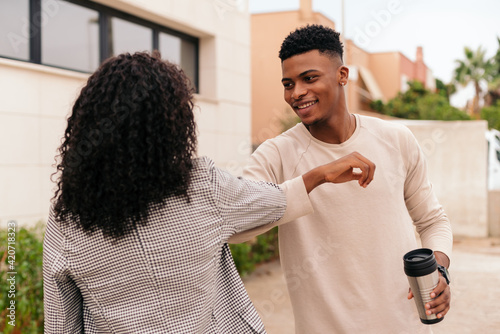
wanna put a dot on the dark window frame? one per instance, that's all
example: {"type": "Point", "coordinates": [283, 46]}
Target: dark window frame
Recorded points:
{"type": "Point", "coordinates": [35, 39]}
{"type": "Point", "coordinates": [105, 15]}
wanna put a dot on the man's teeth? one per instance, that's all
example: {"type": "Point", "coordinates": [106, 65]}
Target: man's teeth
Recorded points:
{"type": "Point", "coordinates": [306, 105]}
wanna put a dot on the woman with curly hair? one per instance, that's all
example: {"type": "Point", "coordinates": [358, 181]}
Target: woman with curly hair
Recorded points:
{"type": "Point", "coordinates": [136, 241]}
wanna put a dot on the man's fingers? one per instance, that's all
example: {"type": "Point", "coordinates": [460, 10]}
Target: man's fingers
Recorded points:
{"type": "Point", "coordinates": [359, 172]}
{"type": "Point", "coordinates": [370, 168]}
{"type": "Point", "coordinates": [441, 299]}
{"type": "Point", "coordinates": [440, 287]}
{"type": "Point", "coordinates": [440, 308]}
{"type": "Point", "coordinates": [351, 167]}
{"type": "Point", "coordinates": [410, 294]}
{"type": "Point", "coordinates": [365, 165]}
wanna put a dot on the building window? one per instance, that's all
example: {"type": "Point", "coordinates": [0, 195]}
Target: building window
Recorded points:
{"type": "Point", "coordinates": [79, 35]}
{"type": "Point", "coordinates": [181, 52]}
{"type": "Point", "coordinates": [129, 37]}
{"type": "Point", "coordinates": [70, 39]}
{"type": "Point", "coordinates": [14, 29]}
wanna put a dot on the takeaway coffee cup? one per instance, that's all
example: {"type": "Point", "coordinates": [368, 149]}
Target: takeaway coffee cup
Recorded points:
{"type": "Point", "coordinates": [421, 269]}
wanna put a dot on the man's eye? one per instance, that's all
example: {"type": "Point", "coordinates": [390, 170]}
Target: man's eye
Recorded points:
{"type": "Point", "coordinates": [287, 85]}
{"type": "Point", "coordinates": [309, 78]}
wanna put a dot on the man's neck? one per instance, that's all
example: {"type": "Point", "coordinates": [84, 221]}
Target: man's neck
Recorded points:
{"type": "Point", "coordinates": [338, 130]}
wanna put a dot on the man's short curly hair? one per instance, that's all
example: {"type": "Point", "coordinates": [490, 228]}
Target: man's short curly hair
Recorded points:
{"type": "Point", "coordinates": [129, 143]}
{"type": "Point", "coordinates": [311, 37]}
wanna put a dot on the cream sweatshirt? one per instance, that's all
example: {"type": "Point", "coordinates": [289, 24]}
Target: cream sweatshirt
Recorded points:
{"type": "Point", "coordinates": [343, 263]}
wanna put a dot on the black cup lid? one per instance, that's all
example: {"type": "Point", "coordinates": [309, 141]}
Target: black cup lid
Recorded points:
{"type": "Point", "coordinates": [419, 262]}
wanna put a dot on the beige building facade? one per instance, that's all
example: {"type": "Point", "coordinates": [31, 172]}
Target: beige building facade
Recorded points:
{"type": "Point", "coordinates": [35, 99]}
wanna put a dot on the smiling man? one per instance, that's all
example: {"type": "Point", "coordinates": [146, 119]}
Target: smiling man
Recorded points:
{"type": "Point", "coordinates": [344, 263]}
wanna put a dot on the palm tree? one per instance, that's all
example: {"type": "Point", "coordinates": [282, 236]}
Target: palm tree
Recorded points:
{"type": "Point", "coordinates": [445, 90]}
{"type": "Point", "coordinates": [474, 69]}
{"type": "Point", "coordinates": [493, 94]}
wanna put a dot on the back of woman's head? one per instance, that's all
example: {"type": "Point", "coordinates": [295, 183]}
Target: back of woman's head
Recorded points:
{"type": "Point", "coordinates": [129, 143]}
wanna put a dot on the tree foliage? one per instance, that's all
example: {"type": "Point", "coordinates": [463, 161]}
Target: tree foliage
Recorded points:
{"type": "Point", "coordinates": [491, 111]}
{"type": "Point", "coordinates": [420, 103]}
{"type": "Point", "coordinates": [493, 94]}
{"type": "Point", "coordinates": [28, 293]}
{"type": "Point", "coordinates": [492, 115]}
{"type": "Point", "coordinates": [445, 90]}
{"type": "Point", "coordinates": [475, 68]}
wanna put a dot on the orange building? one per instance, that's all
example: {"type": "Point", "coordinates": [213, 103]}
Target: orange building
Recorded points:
{"type": "Point", "coordinates": [373, 76]}
{"type": "Point", "coordinates": [380, 76]}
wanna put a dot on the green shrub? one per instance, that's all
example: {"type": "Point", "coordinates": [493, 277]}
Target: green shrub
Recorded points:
{"type": "Point", "coordinates": [492, 115]}
{"type": "Point", "coordinates": [29, 280]}
{"type": "Point", "coordinates": [437, 107]}
{"type": "Point", "coordinates": [247, 255]}
{"type": "Point", "coordinates": [419, 103]}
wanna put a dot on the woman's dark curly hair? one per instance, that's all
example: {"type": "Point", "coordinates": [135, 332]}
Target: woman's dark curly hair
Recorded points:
{"type": "Point", "coordinates": [311, 37]}
{"type": "Point", "coordinates": [129, 143]}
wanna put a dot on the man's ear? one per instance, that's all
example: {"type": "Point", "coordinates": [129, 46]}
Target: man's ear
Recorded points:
{"type": "Point", "coordinates": [343, 73]}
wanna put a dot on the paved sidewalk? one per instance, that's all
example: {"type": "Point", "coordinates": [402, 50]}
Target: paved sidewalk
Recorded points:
{"type": "Point", "coordinates": [475, 308]}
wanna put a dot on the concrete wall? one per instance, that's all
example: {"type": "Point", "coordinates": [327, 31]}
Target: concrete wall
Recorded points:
{"type": "Point", "coordinates": [494, 212]}
{"type": "Point", "coordinates": [35, 101]}
{"type": "Point", "coordinates": [456, 159]}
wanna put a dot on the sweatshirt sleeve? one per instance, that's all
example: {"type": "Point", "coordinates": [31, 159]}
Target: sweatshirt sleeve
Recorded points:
{"type": "Point", "coordinates": [265, 165]}
{"type": "Point", "coordinates": [244, 204]}
{"type": "Point", "coordinates": [429, 218]}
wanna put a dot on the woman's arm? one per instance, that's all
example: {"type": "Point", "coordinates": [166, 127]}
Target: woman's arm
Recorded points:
{"type": "Point", "coordinates": [62, 299]}
{"type": "Point", "coordinates": [297, 190]}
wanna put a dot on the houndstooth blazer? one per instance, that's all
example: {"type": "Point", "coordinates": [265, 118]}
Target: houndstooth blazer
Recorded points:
{"type": "Point", "coordinates": [173, 275]}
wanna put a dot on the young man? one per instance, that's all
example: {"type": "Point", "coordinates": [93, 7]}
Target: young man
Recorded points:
{"type": "Point", "coordinates": [344, 263]}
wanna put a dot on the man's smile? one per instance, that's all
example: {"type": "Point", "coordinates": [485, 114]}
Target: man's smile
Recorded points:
{"type": "Point", "coordinates": [305, 105]}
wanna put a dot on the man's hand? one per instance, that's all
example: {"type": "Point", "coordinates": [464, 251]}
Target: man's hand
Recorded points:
{"type": "Point", "coordinates": [341, 170]}
{"type": "Point", "coordinates": [441, 295]}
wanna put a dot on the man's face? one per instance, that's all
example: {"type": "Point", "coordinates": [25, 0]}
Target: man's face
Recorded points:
{"type": "Point", "coordinates": [312, 85]}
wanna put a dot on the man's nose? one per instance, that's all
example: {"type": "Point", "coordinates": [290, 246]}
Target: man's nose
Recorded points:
{"type": "Point", "coordinates": [299, 92]}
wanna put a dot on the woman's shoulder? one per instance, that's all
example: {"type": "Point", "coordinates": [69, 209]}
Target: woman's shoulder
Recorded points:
{"type": "Point", "coordinates": [204, 169]}
{"type": "Point", "coordinates": [203, 162]}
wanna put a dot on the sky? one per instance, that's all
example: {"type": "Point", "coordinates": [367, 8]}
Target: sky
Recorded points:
{"type": "Point", "coordinates": [442, 27]}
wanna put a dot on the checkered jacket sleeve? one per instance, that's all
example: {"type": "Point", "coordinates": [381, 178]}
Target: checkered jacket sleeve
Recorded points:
{"type": "Point", "coordinates": [174, 274]}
